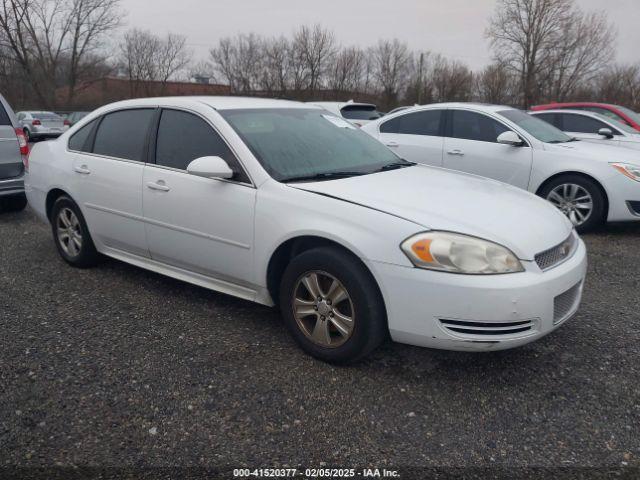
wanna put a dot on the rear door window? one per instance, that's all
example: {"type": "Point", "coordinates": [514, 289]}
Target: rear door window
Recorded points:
{"type": "Point", "coordinates": [426, 122]}
{"type": "Point", "coordinates": [123, 134]}
{"type": "Point", "coordinates": [467, 125]}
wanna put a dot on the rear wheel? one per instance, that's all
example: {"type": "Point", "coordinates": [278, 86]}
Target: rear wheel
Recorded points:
{"type": "Point", "coordinates": [71, 234]}
{"type": "Point", "coordinates": [332, 305]}
{"type": "Point", "coordinates": [579, 198]}
{"type": "Point", "coordinates": [27, 135]}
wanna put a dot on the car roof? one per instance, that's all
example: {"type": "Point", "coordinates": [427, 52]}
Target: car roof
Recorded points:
{"type": "Point", "coordinates": [548, 106]}
{"type": "Point", "coordinates": [476, 106]}
{"type": "Point", "coordinates": [585, 113]}
{"type": "Point", "coordinates": [218, 103]}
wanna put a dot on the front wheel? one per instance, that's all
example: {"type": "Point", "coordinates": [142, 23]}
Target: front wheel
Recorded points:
{"type": "Point", "coordinates": [579, 198]}
{"type": "Point", "coordinates": [71, 234]}
{"type": "Point", "coordinates": [332, 305]}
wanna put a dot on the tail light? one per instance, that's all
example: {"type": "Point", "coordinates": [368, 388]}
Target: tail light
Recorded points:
{"type": "Point", "coordinates": [67, 123]}
{"type": "Point", "coordinates": [36, 122]}
{"type": "Point", "coordinates": [24, 148]}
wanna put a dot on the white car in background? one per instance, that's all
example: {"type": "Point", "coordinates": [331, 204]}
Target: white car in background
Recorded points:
{"type": "Point", "coordinates": [592, 127]}
{"type": "Point", "coordinates": [284, 203]}
{"type": "Point", "coordinates": [357, 113]}
{"type": "Point", "coordinates": [589, 183]}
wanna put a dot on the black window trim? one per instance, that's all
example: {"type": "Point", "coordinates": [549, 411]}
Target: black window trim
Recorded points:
{"type": "Point", "coordinates": [153, 136]}
{"type": "Point", "coordinates": [402, 113]}
{"type": "Point", "coordinates": [449, 126]}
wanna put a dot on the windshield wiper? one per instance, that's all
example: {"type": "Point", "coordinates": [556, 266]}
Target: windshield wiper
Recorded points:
{"type": "Point", "coordinates": [322, 176]}
{"type": "Point", "coordinates": [396, 165]}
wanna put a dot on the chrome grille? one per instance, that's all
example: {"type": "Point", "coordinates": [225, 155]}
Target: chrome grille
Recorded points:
{"type": "Point", "coordinates": [565, 303]}
{"type": "Point", "coordinates": [492, 329]}
{"type": "Point", "coordinates": [558, 254]}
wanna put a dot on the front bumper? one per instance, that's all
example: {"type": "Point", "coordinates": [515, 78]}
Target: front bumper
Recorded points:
{"type": "Point", "coordinates": [624, 194]}
{"type": "Point", "coordinates": [479, 312]}
{"type": "Point", "coordinates": [12, 186]}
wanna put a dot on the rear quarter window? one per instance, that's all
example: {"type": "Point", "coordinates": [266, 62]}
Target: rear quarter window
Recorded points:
{"type": "Point", "coordinates": [79, 140]}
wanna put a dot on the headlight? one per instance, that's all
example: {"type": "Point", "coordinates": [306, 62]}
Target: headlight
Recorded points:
{"type": "Point", "coordinates": [631, 171]}
{"type": "Point", "coordinates": [452, 252]}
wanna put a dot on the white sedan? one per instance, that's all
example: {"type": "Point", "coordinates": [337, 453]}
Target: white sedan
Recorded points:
{"type": "Point", "coordinates": [589, 183]}
{"type": "Point", "coordinates": [591, 127]}
{"type": "Point", "coordinates": [282, 203]}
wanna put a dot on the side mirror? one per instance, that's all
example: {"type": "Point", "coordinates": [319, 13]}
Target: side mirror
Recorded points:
{"type": "Point", "coordinates": [510, 138]}
{"type": "Point", "coordinates": [210, 167]}
{"type": "Point", "coordinates": [606, 132]}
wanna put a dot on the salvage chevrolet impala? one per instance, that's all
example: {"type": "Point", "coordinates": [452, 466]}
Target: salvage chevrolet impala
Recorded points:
{"type": "Point", "coordinates": [286, 204]}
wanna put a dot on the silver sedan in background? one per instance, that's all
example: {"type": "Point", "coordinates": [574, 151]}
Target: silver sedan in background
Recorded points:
{"type": "Point", "coordinates": [38, 125]}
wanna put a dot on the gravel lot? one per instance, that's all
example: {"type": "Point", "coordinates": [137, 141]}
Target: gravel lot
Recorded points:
{"type": "Point", "coordinates": [116, 366]}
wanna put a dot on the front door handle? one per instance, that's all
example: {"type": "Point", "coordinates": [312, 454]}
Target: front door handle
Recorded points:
{"type": "Point", "coordinates": [456, 151]}
{"type": "Point", "coordinates": [83, 169]}
{"type": "Point", "coordinates": [159, 185]}
{"type": "Point", "coordinates": [392, 144]}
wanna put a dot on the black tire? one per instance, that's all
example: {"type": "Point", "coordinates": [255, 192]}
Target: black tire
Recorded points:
{"type": "Point", "coordinates": [87, 255]}
{"type": "Point", "coordinates": [598, 213]}
{"type": "Point", "coordinates": [14, 203]}
{"type": "Point", "coordinates": [27, 135]}
{"type": "Point", "coordinates": [369, 314]}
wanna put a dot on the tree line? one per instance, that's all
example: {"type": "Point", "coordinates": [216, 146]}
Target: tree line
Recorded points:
{"type": "Point", "coordinates": [543, 50]}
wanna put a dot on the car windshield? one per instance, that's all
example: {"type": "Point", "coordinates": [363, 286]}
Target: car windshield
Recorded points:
{"type": "Point", "coordinates": [630, 113]}
{"type": "Point", "coordinates": [543, 131]}
{"type": "Point", "coordinates": [299, 144]}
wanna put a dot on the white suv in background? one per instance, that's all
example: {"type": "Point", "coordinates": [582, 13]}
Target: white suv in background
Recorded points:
{"type": "Point", "coordinates": [357, 113]}
{"type": "Point", "coordinates": [592, 127]}
{"type": "Point", "coordinates": [589, 183]}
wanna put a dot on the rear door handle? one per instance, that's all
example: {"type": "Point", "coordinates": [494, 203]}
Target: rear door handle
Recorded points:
{"type": "Point", "coordinates": [456, 152]}
{"type": "Point", "coordinates": [83, 169]}
{"type": "Point", "coordinates": [160, 185]}
{"type": "Point", "coordinates": [392, 144]}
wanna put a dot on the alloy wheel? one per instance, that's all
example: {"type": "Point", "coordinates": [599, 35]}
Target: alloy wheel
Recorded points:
{"type": "Point", "coordinates": [69, 232]}
{"type": "Point", "coordinates": [323, 309]}
{"type": "Point", "coordinates": [572, 200]}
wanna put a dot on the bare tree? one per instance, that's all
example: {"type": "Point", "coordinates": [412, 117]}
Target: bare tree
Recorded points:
{"type": "Point", "coordinates": [587, 47]}
{"type": "Point", "coordinates": [276, 68]}
{"type": "Point", "coordinates": [47, 37]}
{"type": "Point", "coordinates": [345, 73]}
{"type": "Point", "coordinates": [525, 35]}
{"type": "Point", "coordinates": [495, 85]}
{"type": "Point", "coordinates": [239, 61]}
{"type": "Point", "coordinates": [392, 62]}
{"type": "Point", "coordinates": [90, 22]}
{"type": "Point", "coordinates": [147, 58]}
{"type": "Point", "coordinates": [316, 47]}
{"type": "Point", "coordinates": [451, 80]}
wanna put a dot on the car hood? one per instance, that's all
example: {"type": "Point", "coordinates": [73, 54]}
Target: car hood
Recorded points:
{"type": "Point", "coordinates": [596, 151]}
{"type": "Point", "coordinates": [440, 199]}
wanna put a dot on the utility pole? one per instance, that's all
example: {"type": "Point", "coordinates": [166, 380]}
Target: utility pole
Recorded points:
{"type": "Point", "coordinates": [420, 67]}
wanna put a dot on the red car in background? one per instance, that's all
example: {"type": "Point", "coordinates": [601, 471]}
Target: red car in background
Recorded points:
{"type": "Point", "coordinates": [616, 112]}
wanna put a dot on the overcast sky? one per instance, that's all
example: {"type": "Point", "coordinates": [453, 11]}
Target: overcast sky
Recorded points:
{"type": "Point", "coordinates": [454, 28]}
